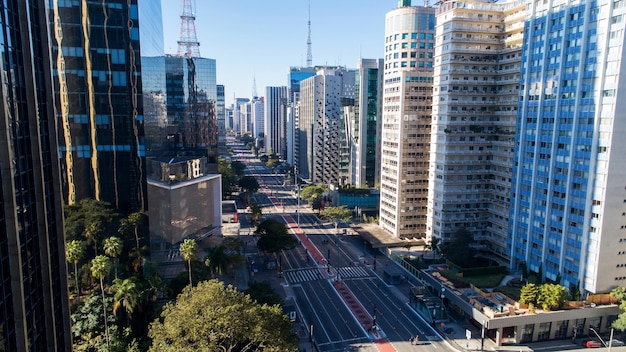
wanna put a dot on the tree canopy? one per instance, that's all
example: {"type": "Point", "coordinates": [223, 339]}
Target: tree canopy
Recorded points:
{"type": "Point", "coordinates": [549, 296]}
{"type": "Point", "coordinates": [458, 250]}
{"type": "Point", "coordinates": [249, 184]}
{"type": "Point", "coordinates": [619, 293]}
{"type": "Point", "coordinates": [552, 296]}
{"type": "Point", "coordinates": [335, 214]}
{"type": "Point", "coordinates": [274, 236]}
{"type": "Point", "coordinates": [313, 193]}
{"type": "Point", "coordinates": [214, 317]}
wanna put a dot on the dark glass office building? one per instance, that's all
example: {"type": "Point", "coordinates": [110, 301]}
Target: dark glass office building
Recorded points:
{"type": "Point", "coordinates": [34, 313]}
{"type": "Point", "coordinates": [180, 106]}
{"type": "Point", "coordinates": [97, 77]}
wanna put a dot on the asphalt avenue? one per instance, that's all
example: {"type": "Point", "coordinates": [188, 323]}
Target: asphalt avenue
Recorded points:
{"type": "Point", "coordinates": [334, 281]}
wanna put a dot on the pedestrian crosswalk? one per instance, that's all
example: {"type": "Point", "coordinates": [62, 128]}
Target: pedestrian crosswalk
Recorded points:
{"type": "Point", "coordinates": [304, 275]}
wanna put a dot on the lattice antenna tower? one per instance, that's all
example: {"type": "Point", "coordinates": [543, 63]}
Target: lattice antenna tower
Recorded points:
{"type": "Point", "coordinates": [309, 53]}
{"type": "Point", "coordinates": [188, 45]}
{"type": "Point", "coordinates": [254, 93]}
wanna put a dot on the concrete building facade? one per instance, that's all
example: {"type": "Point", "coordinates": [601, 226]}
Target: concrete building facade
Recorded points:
{"type": "Point", "coordinates": [406, 120]}
{"type": "Point", "coordinates": [477, 65]}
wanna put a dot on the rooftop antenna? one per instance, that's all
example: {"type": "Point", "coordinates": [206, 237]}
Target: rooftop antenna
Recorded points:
{"type": "Point", "coordinates": [254, 95]}
{"type": "Point", "coordinates": [188, 45]}
{"type": "Point", "coordinates": [309, 54]}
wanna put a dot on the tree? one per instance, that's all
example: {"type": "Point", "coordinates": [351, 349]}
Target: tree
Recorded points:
{"type": "Point", "coordinates": [238, 167]}
{"type": "Point", "coordinates": [314, 194]}
{"type": "Point", "coordinates": [263, 293]}
{"type": "Point", "coordinates": [88, 332]}
{"type": "Point", "coordinates": [100, 268]}
{"type": "Point", "coordinates": [435, 242]}
{"type": "Point", "coordinates": [256, 211]}
{"type": "Point", "coordinates": [218, 259]}
{"type": "Point", "coordinates": [249, 184]}
{"type": "Point", "coordinates": [126, 295]}
{"type": "Point", "coordinates": [529, 294]}
{"type": "Point", "coordinates": [113, 248]}
{"type": "Point", "coordinates": [274, 236]}
{"type": "Point", "coordinates": [189, 250]}
{"type": "Point", "coordinates": [619, 293]}
{"type": "Point", "coordinates": [552, 296]}
{"type": "Point", "coordinates": [74, 252]}
{"type": "Point", "coordinates": [335, 214]}
{"type": "Point", "coordinates": [132, 224]}
{"type": "Point", "coordinates": [212, 317]}
{"type": "Point", "coordinates": [458, 250]}
{"type": "Point", "coordinates": [93, 233]}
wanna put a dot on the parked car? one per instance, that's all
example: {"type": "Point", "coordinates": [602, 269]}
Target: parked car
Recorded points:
{"type": "Point", "coordinates": [617, 343]}
{"type": "Point", "coordinates": [592, 344]}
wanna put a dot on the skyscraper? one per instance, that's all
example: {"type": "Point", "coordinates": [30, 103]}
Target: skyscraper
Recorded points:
{"type": "Point", "coordinates": [97, 77]}
{"type": "Point", "coordinates": [221, 119]}
{"type": "Point", "coordinates": [34, 313]}
{"type": "Point", "coordinates": [406, 119]}
{"type": "Point", "coordinates": [477, 65]}
{"type": "Point", "coordinates": [257, 109]}
{"type": "Point", "coordinates": [568, 208]}
{"type": "Point", "coordinates": [320, 124]}
{"type": "Point", "coordinates": [276, 120]}
{"type": "Point", "coordinates": [185, 87]}
{"type": "Point", "coordinates": [365, 129]}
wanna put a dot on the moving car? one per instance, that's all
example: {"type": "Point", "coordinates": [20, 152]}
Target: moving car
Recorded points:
{"type": "Point", "coordinates": [591, 343]}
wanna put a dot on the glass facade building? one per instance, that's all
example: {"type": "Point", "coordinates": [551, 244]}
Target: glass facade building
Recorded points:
{"type": "Point", "coordinates": [365, 131]}
{"type": "Point", "coordinates": [276, 120]}
{"type": "Point", "coordinates": [180, 96]}
{"type": "Point", "coordinates": [97, 79]}
{"type": "Point", "coordinates": [568, 208]}
{"type": "Point", "coordinates": [34, 310]}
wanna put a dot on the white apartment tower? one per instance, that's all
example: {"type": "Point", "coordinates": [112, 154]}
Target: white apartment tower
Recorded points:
{"type": "Point", "coordinates": [406, 119]}
{"type": "Point", "coordinates": [475, 98]}
{"type": "Point", "coordinates": [320, 125]}
{"type": "Point", "coordinates": [257, 110]}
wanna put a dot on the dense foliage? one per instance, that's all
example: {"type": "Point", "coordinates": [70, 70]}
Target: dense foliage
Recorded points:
{"type": "Point", "coordinates": [619, 293]}
{"type": "Point", "coordinates": [274, 236]}
{"type": "Point", "coordinates": [212, 317]}
{"type": "Point", "coordinates": [112, 291]}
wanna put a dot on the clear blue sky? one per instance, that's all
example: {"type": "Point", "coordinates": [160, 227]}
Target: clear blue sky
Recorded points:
{"type": "Point", "coordinates": [250, 38]}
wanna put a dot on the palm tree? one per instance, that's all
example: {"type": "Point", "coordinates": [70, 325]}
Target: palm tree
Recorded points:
{"type": "Point", "coordinates": [75, 251]}
{"type": "Point", "coordinates": [93, 232]}
{"type": "Point", "coordinates": [434, 245]}
{"type": "Point", "coordinates": [219, 259]}
{"type": "Point", "coordinates": [131, 225]}
{"type": "Point", "coordinates": [113, 248]}
{"type": "Point", "coordinates": [127, 295]}
{"type": "Point", "coordinates": [189, 250]}
{"type": "Point", "coordinates": [132, 222]}
{"type": "Point", "coordinates": [100, 268]}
